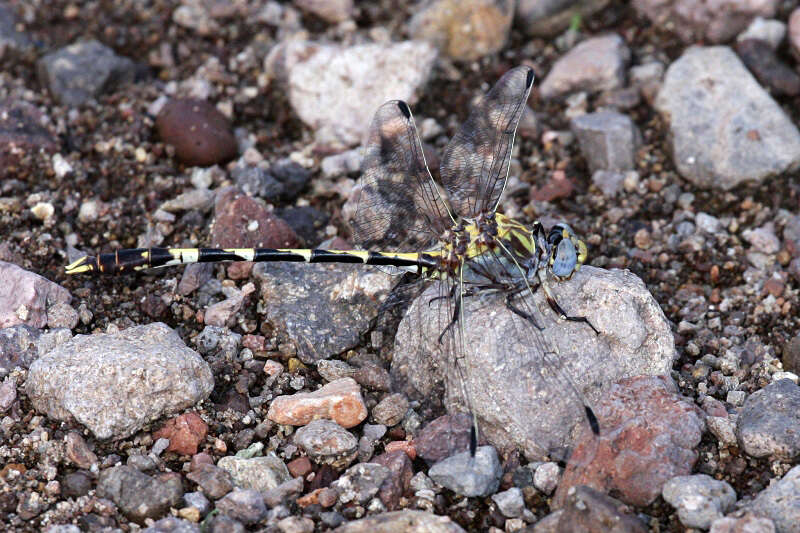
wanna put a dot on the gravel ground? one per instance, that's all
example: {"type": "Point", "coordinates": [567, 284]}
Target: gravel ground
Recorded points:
{"type": "Point", "coordinates": [148, 400]}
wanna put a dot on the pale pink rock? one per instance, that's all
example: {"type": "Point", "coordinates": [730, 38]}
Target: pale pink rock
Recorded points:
{"type": "Point", "coordinates": [25, 297]}
{"type": "Point", "coordinates": [339, 401]}
{"type": "Point", "coordinates": [596, 64]}
{"type": "Point", "coordinates": [713, 21]}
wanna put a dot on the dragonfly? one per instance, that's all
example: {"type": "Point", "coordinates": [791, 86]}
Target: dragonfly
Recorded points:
{"type": "Point", "coordinates": [444, 231]}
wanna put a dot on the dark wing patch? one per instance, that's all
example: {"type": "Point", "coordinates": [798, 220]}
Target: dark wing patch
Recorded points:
{"type": "Point", "coordinates": [475, 164]}
{"type": "Point", "coordinates": [399, 206]}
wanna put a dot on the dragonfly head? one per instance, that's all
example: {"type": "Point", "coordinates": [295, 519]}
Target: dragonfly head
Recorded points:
{"type": "Point", "coordinates": [566, 252]}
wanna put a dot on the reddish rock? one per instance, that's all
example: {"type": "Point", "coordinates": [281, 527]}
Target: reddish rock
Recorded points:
{"type": "Point", "coordinates": [200, 459]}
{"type": "Point", "coordinates": [185, 433]}
{"type": "Point", "coordinates": [25, 297]}
{"type": "Point", "coordinates": [299, 467]}
{"type": "Point", "coordinates": [339, 401]}
{"type": "Point", "coordinates": [404, 446]}
{"type": "Point", "coordinates": [648, 435]}
{"type": "Point", "coordinates": [312, 498]}
{"type": "Point", "coordinates": [242, 222]}
{"type": "Point", "coordinates": [443, 437]}
{"type": "Point", "coordinates": [201, 135]}
{"type": "Point", "coordinates": [558, 186]}
{"type": "Point", "coordinates": [256, 343]}
{"type": "Point", "coordinates": [78, 451]}
{"type": "Point", "coordinates": [401, 472]}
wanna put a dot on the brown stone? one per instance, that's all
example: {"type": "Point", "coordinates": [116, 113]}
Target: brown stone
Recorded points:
{"type": "Point", "coordinates": [339, 401]}
{"type": "Point", "coordinates": [78, 451]}
{"type": "Point", "coordinates": [242, 222]}
{"type": "Point", "coordinates": [299, 467]}
{"type": "Point", "coordinates": [201, 135]}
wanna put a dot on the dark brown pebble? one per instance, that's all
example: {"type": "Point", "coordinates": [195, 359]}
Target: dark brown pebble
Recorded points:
{"type": "Point", "coordinates": [760, 58]}
{"type": "Point", "coordinates": [299, 467]}
{"type": "Point", "coordinates": [241, 221]}
{"type": "Point", "coordinates": [201, 135]}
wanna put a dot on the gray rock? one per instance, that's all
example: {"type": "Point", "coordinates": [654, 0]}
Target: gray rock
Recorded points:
{"type": "Point", "coordinates": [198, 501]}
{"type": "Point", "coordinates": [548, 18]}
{"type": "Point", "coordinates": [116, 383]}
{"type": "Point", "coordinates": [257, 473]}
{"type": "Point", "coordinates": [699, 499]}
{"type": "Point", "coordinates": [244, 505]}
{"type": "Point", "coordinates": [522, 399]}
{"type": "Point", "coordinates": [510, 502]}
{"type": "Point", "coordinates": [321, 327]}
{"type": "Point", "coordinates": [769, 422]}
{"type": "Point", "coordinates": [295, 524]}
{"type": "Point", "coordinates": [342, 164]}
{"type": "Point", "coordinates": [725, 129]}
{"type": "Point", "coordinates": [172, 524]}
{"type": "Point", "coordinates": [596, 64]}
{"type": "Point", "coordinates": [768, 30]}
{"type": "Point", "coordinates": [327, 442]}
{"type": "Point", "coordinates": [11, 40]}
{"type": "Point", "coordinates": [610, 182]}
{"type": "Point", "coordinates": [82, 71]}
{"type": "Point", "coordinates": [18, 347]}
{"type": "Point", "coordinates": [335, 90]}
{"type": "Point", "coordinates": [587, 509]}
{"type": "Point", "coordinates": [780, 502]}
{"type": "Point", "coordinates": [469, 476]}
{"type": "Point", "coordinates": [360, 482]}
{"type": "Point", "coordinates": [214, 481]}
{"type": "Point", "coordinates": [8, 394]}
{"type": "Point", "coordinates": [26, 298]}
{"type": "Point", "coordinates": [607, 139]}
{"type": "Point", "coordinates": [406, 521]}
{"type": "Point", "coordinates": [193, 199]}
{"type": "Point", "coordinates": [391, 410]}
{"type": "Point", "coordinates": [546, 477]}
{"type": "Point", "coordinates": [284, 492]}
{"type": "Point", "coordinates": [749, 523]}
{"type": "Point", "coordinates": [723, 429]}
{"type": "Point", "coordinates": [763, 239]}
{"type": "Point", "coordinates": [138, 495]}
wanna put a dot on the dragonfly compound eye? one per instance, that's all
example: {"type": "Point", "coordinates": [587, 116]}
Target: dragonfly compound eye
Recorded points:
{"type": "Point", "coordinates": [564, 259]}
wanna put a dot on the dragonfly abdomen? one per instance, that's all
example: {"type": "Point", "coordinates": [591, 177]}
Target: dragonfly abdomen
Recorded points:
{"type": "Point", "coordinates": [143, 258]}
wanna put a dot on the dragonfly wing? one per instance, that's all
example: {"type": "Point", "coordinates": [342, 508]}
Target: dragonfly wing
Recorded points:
{"type": "Point", "coordinates": [475, 164]}
{"type": "Point", "coordinates": [399, 206]}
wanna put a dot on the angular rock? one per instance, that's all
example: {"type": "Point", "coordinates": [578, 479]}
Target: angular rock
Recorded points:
{"type": "Point", "coordinates": [725, 129]}
{"type": "Point", "coordinates": [469, 476]}
{"type": "Point", "coordinates": [172, 524]}
{"type": "Point", "coordinates": [521, 398]}
{"type": "Point", "coordinates": [26, 298]}
{"type": "Point", "coordinates": [333, 11]}
{"type": "Point", "coordinates": [772, 31]}
{"type": "Point", "coordinates": [589, 510]}
{"type": "Point", "coordinates": [327, 442]}
{"type": "Point", "coordinates": [596, 64]}
{"type": "Point", "coordinates": [649, 435]}
{"type": "Point", "coordinates": [780, 502]}
{"type": "Point", "coordinates": [443, 437]}
{"type": "Point", "coordinates": [769, 422]}
{"type": "Point", "coordinates": [548, 18]}
{"type": "Point", "coordinates": [510, 502]}
{"type": "Point", "coordinates": [546, 477]}
{"type": "Point", "coordinates": [243, 505]}
{"type": "Point", "coordinates": [699, 499]}
{"type": "Point", "coordinates": [465, 30]}
{"type": "Point", "coordinates": [335, 90]}
{"type": "Point", "coordinates": [138, 495]}
{"type": "Point", "coordinates": [607, 139]}
{"type": "Point", "coordinates": [242, 222]}
{"type": "Point", "coordinates": [286, 491]}
{"type": "Point", "coordinates": [200, 133]}
{"type": "Point", "coordinates": [767, 67]}
{"type": "Point", "coordinates": [704, 20]}
{"type": "Point", "coordinates": [360, 483]}
{"type": "Point", "coordinates": [391, 410]}
{"type": "Point", "coordinates": [406, 521]}
{"type": "Point", "coordinates": [214, 481]}
{"type": "Point", "coordinates": [339, 401]}
{"type": "Point", "coordinates": [319, 328]}
{"type": "Point", "coordinates": [257, 473]}
{"type": "Point", "coordinates": [184, 432]}
{"type": "Point", "coordinates": [397, 483]}
{"type": "Point", "coordinates": [19, 346]}
{"type": "Point", "coordinates": [116, 383]}
{"type": "Point", "coordinates": [83, 70]}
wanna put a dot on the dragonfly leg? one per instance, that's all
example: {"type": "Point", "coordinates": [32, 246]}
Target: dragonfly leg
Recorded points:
{"type": "Point", "coordinates": [517, 311]}
{"type": "Point", "coordinates": [554, 305]}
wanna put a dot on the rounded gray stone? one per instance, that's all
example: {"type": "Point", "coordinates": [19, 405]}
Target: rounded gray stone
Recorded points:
{"type": "Point", "coordinates": [781, 502]}
{"type": "Point", "coordinates": [467, 475]}
{"type": "Point", "coordinates": [257, 473]}
{"type": "Point", "coordinates": [699, 499]}
{"type": "Point", "coordinates": [769, 422]}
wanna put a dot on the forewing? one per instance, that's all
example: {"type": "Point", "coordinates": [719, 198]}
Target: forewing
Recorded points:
{"type": "Point", "coordinates": [475, 164]}
{"type": "Point", "coordinates": [399, 205]}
